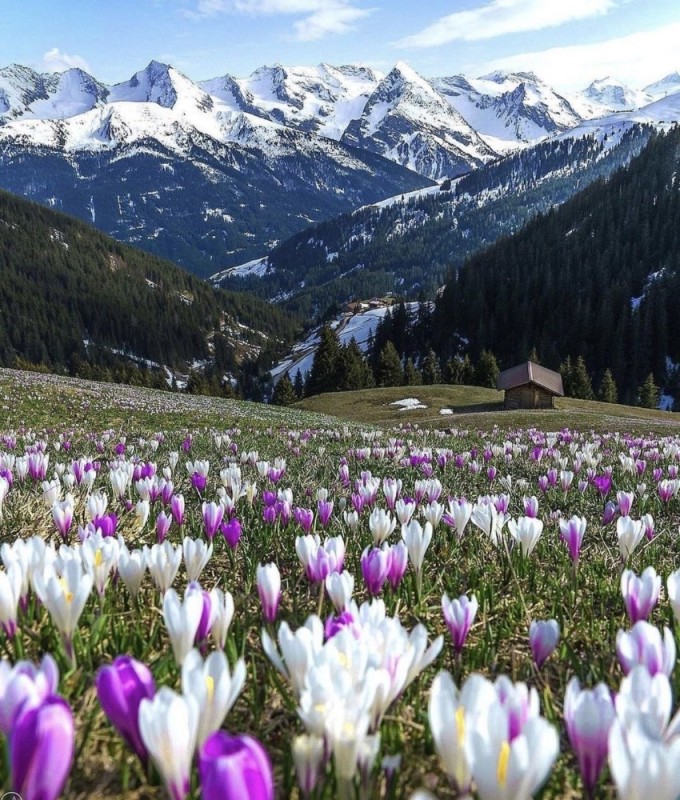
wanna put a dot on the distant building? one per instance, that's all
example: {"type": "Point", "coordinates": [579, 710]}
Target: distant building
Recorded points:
{"type": "Point", "coordinates": [529, 385]}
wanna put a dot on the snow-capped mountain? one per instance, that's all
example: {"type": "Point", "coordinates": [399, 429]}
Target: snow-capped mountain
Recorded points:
{"type": "Point", "coordinates": [408, 121]}
{"type": "Point", "coordinates": [509, 109]}
{"type": "Point", "coordinates": [666, 86]}
{"type": "Point", "coordinates": [25, 93]}
{"type": "Point", "coordinates": [322, 99]}
{"type": "Point", "coordinates": [607, 95]}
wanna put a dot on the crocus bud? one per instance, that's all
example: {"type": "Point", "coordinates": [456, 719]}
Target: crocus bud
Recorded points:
{"type": "Point", "coordinates": [41, 745]}
{"type": "Point", "coordinates": [177, 508]}
{"type": "Point", "coordinates": [459, 615]}
{"type": "Point", "coordinates": [231, 531]}
{"type": "Point", "coordinates": [212, 517]}
{"type": "Point", "coordinates": [543, 638]}
{"type": "Point", "coordinates": [162, 526]}
{"type": "Point", "coordinates": [234, 768]}
{"type": "Point", "coordinates": [375, 565]}
{"type": "Point", "coordinates": [121, 687]}
{"type": "Point", "coordinates": [571, 533]}
{"type": "Point", "coordinates": [640, 594]}
{"type": "Point", "coordinates": [308, 756]}
{"type": "Point", "coordinates": [643, 645]}
{"type": "Point", "coordinates": [269, 590]}
{"type": "Point", "coordinates": [588, 716]}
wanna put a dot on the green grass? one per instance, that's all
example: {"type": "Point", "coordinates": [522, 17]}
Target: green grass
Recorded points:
{"type": "Point", "coordinates": [476, 407]}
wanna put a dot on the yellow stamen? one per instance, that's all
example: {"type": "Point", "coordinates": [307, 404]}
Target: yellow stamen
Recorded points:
{"type": "Point", "coordinates": [503, 760]}
{"type": "Point", "coordinates": [98, 558]}
{"type": "Point", "coordinates": [210, 685]}
{"type": "Point", "coordinates": [68, 596]}
{"type": "Point", "coordinates": [460, 723]}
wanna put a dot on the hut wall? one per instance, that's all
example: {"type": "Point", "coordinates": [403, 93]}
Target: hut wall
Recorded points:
{"type": "Point", "coordinates": [528, 396]}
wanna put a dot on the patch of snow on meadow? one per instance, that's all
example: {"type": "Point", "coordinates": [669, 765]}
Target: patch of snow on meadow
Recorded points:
{"type": "Point", "coordinates": [409, 404]}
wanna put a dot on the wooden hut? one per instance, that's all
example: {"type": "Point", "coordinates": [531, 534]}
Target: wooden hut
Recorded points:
{"type": "Point", "coordinates": [529, 385]}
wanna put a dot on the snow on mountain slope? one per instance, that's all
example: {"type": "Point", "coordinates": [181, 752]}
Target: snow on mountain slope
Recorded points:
{"type": "Point", "coordinates": [668, 85]}
{"type": "Point", "coordinates": [607, 95]}
{"type": "Point", "coordinates": [662, 114]}
{"type": "Point", "coordinates": [408, 121]}
{"type": "Point", "coordinates": [321, 99]}
{"type": "Point", "coordinates": [508, 109]}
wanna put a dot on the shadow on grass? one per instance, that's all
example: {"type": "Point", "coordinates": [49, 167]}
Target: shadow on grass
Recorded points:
{"type": "Point", "coordinates": [477, 408]}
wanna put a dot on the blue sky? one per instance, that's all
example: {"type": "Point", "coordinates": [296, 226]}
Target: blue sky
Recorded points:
{"type": "Point", "coordinates": [568, 42]}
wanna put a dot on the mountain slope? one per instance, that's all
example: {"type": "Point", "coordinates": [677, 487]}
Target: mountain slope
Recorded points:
{"type": "Point", "coordinates": [67, 291]}
{"type": "Point", "coordinates": [408, 244]}
{"type": "Point", "coordinates": [406, 120]}
{"type": "Point", "coordinates": [598, 277]}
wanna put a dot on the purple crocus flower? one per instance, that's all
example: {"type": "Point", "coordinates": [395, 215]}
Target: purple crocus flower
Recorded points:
{"type": "Point", "coordinates": [41, 746]}
{"type": "Point", "coordinates": [231, 530]}
{"type": "Point", "coordinates": [530, 507]}
{"type": "Point", "coordinates": [588, 716]}
{"type": "Point", "coordinates": [398, 564]}
{"type": "Point", "coordinates": [643, 645]}
{"type": "Point", "coordinates": [199, 481]}
{"type": "Point", "coordinates": [625, 502]}
{"type": "Point", "coordinates": [121, 687]}
{"type": "Point", "coordinates": [26, 684]}
{"type": "Point", "coordinates": [543, 483]}
{"type": "Point", "coordinates": [375, 567]}
{"type": "Point", "coordinates": [107, 524]}
{"type": "Point", "coordinates": [234, 768]}
{"type": "Point", "coordinates": [571, 532]}
{"type": "Point", "coordinates": [640, 594]}
{"type": "Point", "coordinates": [304, 518]}
{"type": "Point", "coordinates": [543, 638]}
{"type": "Point", "coordinates": [609, 512]}
{"type": "Point", "coordinates": [459, 615]}
{"type": "Point", "coordinates": [177, 508]}
{"type": "Point", "coordinates": [212, 517]}
{"type": "Point", "coordinates": [162, 526]}
{"type": "Point", "coordinates": [603, 483]}
{"type": "Point", "coordinates": [334, 624]}
{"type": "Point", "coordinates": [325, 509]}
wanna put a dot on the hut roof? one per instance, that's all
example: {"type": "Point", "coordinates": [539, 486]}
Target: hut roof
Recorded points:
{"type": "Point", "coordinates": [531, 373]}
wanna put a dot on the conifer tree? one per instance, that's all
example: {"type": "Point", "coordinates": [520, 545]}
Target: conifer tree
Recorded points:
{"type": "Point", "coordinates": [284, 392]}
{"type": "Point", "coordinates": [467, 372]}
{"type": "Point", "coordinates": [648, 393]}
{"type": "Point", "coordinates": [324, 372]}
{"type": "Point", "coordinates": [412, 376]}
{"type": "Point", "coordinates": [486, 373]}
{"type": "Point", "coordinates": [453, 371]}
{"type": "Point", "coordinates": [388, 372]}
{"type": "Point", "coordinates": [299, 385]}
{"type": "Point", "coordinates": [431, 371]}
{"type": "Point", "coordinates": [608, 392]}
{"type": "Point", "coordinates": [582, 386]}
{"type": "Point", "coordinates": [567, 373]}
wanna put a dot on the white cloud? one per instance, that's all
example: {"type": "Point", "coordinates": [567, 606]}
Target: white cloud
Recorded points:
{"type": "Point", "coordinates": [319, 17]}
{"type": "Point", "coordinates": [501, 17]}
{"type": "Point", "coordinates": [56, 61]}
{"type": "Point", "coordinates": [638, 59]}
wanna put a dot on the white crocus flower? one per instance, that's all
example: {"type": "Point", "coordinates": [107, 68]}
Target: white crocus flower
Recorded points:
{"type": "Point", "coordinates": [382, 525]}
{"type": "Point", "coordinates": [100, 558]}
{"type": "Point", "coordinates": [511, 770]}
{"type": "Point", "coordinates": [131, 567]}
{"type": "Point", "coordinates": [340, 586]}
{"type": "Point", "coordinates": [451, 714]}
{"type": "Point", "coordinates": [96, 505]}
{"type": "Point", "coordinates": [11, 582]}
{"type": "Point", "coordinates": [630, 533]}
{"type": "Point", "coordinates": [526, 531]}
{"type": "Point", "coordinates": [64, 595]}
{"type": "Point", "coordinates": [643, 767]}
{"type": "Point", "coordinates": [182, 619]}
{"type": "Point", "coordinates": [433, 513]}
{"type": "Point", "coordinates": [222, 607]}
{"type": "Point", "coordinates": [215, 690]}
{"type": "Point", "coordinates": [162, 561]}
{"type": "Point", "coordinates": [673, 586]}
{"type": "Point", "coordinates": [168, 725]}
{"type": "Point", "coordinates": [196, 555]}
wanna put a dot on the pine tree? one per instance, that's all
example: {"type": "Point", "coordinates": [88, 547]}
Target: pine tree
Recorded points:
{"type": "Point", "coordinates": [608, 392]}
{"type": "Point", "coordinates": [453, 371]}
{"type": "Point", "coordinates": [284, 392]}
{"type": "Point", "coordinates": [299, 385]}
{"type": "Point", "coordinates": [582, 386]}
{"type": "Point", "coordinates": [324, 372]}
{"type": "Point", "coordinates": [567, 373]}
{"type": "Point", "coordinates": [486, 373]}
{"type": "Point", "coordinates": [648, 393]}
{"type": "Point", "coordinates": [431, 371]}
{"type": "Point", "coordinates": [467, 372]}
{"type": "Point", "coordinates": [412, 376]}
{"type": "Point", "coordinates": [388, 372]}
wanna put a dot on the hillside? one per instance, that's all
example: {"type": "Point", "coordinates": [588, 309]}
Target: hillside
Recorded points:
{"type": "Point", "coordinates": [473, 407]}
{"type": "Point", "coordinates": [598, 277]}
{"type": "Point", "coordinates": [69, 293]}
{"type": "Point", "coordinates": [408, 245]}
